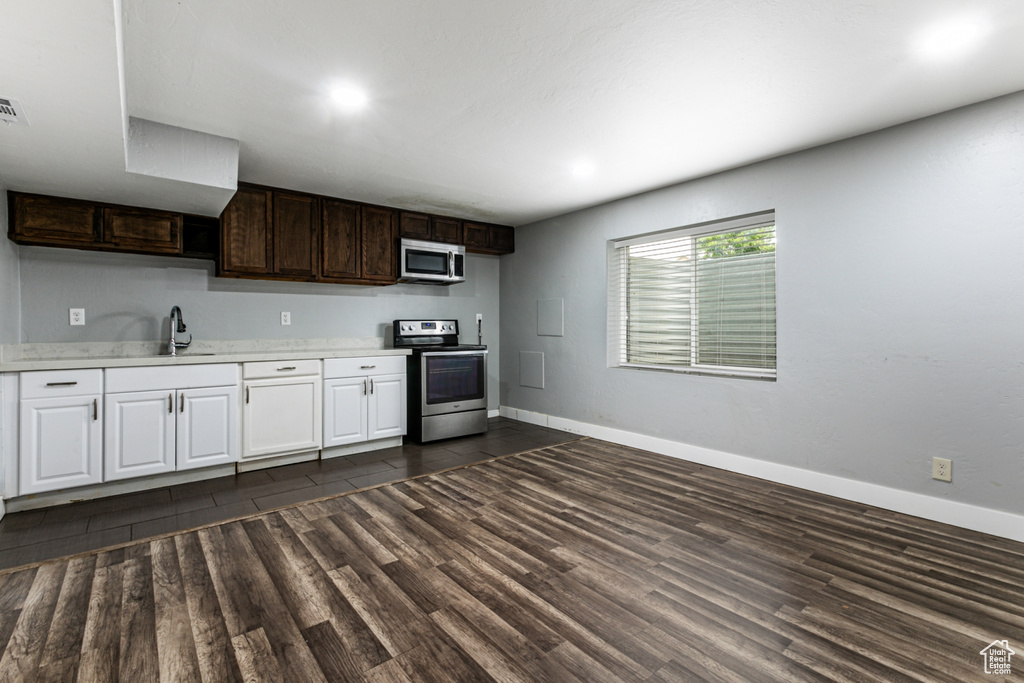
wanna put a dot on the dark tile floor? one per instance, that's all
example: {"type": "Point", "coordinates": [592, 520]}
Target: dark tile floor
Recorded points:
{"type": "Point", "coordinates": [37, 535]}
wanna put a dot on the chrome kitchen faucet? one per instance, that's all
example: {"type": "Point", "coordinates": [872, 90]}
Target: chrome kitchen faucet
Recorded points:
{"type": "Point", "coordinates": [172, 345]}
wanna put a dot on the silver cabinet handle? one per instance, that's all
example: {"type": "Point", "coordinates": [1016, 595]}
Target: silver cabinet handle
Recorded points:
{"type": "Point", "coordinates": [367, 367]}
{"type": "Point", "coordinates": [95, 409]}
{"type": "Point", "coordinates": [247, 394]}
{"type": "Point", "coordinates": [182, 404]}
{"type": "Point", "coordinates": [61, 384]}
{"type": "Point", "coordinates": [290, 367]}
{"type": "Point", "coordinates": [371, 386]}
{"type": "Point", "coordinates": [170, 403]}
{"type": "Point", "coordinates": [364, 387]}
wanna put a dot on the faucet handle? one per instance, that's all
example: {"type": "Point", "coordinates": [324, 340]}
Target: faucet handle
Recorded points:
{"type": "Point", "coordinates": [183, 345]}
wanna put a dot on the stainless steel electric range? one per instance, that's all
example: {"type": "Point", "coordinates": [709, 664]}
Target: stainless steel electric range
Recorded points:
{"type": "Point", "coordinates": [447, 387]}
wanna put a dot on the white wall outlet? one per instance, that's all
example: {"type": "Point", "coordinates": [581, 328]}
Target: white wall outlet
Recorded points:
{"type": "Point", "coordinates": [479, 317]}
{"type": "Point", "coordinates": [76, 316]}
{"type": "Point", "coordinates": [942, 469]}
{"type": "Point", "coordinates": [286, 318]}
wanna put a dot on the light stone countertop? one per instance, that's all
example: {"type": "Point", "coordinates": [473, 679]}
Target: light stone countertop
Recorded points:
{"type": "Point", "coordinates": [28, 357]}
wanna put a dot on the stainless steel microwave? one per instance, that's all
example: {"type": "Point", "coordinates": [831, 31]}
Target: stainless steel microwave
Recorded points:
{"type": "Point", "coordinates": [432, 263]}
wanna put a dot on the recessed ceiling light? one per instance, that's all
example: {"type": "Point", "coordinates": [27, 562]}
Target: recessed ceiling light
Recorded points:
{"type": "Point", "coordinates": [583, 169]}
{"type": "Point", "coordinates": [951, 38]}
{"type": "Point", "coordinates": [349, 97]}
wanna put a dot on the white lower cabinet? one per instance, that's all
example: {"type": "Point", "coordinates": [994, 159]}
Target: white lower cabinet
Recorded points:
{"type": "Point", "coordinates": [386, 410]}
{"type": "Point", "coordinates": [139, 434]}
{"type": "Point", "coordinates": [150, 432]}
{"type": "Point", "coordinates": [345, 407]}
{"type": "Point", "coordinates": [207, 431]}
{"type": "Point", "coordinates": [282, 410]}
{"type": "Point", "coordinates": [364, 399]}
{"type": "Point", "coordinates": [169, 418]}
{"type": "Point", "coordinates": [60, 436]}
{"type": "Point", "coordinates": [61, 443]}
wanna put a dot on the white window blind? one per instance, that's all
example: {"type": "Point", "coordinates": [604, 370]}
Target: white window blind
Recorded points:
{"type": "Point", "coordinates": [698, 299]}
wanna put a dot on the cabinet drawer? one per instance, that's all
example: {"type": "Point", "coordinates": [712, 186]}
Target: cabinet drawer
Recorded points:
{"type": "Point", "coordinates": [280, 368]}
{"type": "Point", "coordinates": [52, 383]}
{"type": "Point", "coordinates": [363, 366]}
{"type": "Point", "coordinates": [169, 377]}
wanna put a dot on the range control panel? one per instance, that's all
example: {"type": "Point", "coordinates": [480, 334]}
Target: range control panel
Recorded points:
{"type": "Point", "coordinates": [422, 328]}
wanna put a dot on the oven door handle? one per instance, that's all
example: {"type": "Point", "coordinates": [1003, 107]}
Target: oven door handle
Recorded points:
{"type": "Point", "coordinates": [454, 353]}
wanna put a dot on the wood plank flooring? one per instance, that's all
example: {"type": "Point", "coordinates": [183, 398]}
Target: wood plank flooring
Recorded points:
{"type": "Point", "coordinates": [584, 561]}
{"type": "Point", "coordinates": [32, 536]}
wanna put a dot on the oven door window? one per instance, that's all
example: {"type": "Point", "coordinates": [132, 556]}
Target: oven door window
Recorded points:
{"type": "Point", "coordinates": [454, 378]}
{"type": "Point", "coordinates": [426, 262]}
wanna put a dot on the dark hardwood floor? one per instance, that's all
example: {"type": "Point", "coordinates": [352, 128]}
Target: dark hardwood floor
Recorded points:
{"type": "Point", "coordinates": [583, 561]}
{"type": "Point", "coordinates": [33, 536]}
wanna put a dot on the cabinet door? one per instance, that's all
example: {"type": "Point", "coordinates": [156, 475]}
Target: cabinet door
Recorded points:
{"type": "Point", "coordinates": [60, 443]}
{"type": "Point", "coordinates": [379, 242]}
{"type": "Point", "coordinates": [52, 220]}
{"type": "Point", "coordinates": [138, 437]}
{"type": "Point", "coordinates": [207, 429]}
{"type": "Point", "coordinates": [415, 226]}
{"type": "Point", "coordinates": [342, 242]}
{"type": "Point", "coordinates": [387, 407]}
{"type": "Point", "coordinates": [345, 410]}
{"type": "Point", "coordinates": [502, 239]}
{"type": "Point", "coordinates": [295, 229]}
{"type": "Point", "coordinates": [281, 416]}
{"type": "Point", "coordinates": [142, 230]}
{"type": "Point", "coordinates": [245, 242]}
{"type": "Point", "coordinates": [447, 230]}
{"type": "Point", "coordinates": [474, 236]}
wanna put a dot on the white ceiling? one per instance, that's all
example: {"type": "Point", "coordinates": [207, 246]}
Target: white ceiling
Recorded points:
{"type": "Point", "coordinates": [478, 108]}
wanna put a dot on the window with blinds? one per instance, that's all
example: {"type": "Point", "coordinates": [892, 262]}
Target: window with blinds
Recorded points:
{"type": "Point", "coordinates": [696, 299]}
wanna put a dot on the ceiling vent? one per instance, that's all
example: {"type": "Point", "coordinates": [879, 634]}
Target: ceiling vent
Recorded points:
{"type": "Point", "coordinates": [12, 112]}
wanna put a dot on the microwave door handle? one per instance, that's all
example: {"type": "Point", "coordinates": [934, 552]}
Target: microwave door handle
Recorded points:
{"type": "Point", "coordinates": [451, 264]}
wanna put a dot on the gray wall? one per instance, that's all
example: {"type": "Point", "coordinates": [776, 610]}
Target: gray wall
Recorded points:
{"type": "Point", "coordinates": [10, 284]}
{"type": "Point", "coordinates": [128, 297]}
{"type": "Point", "coordinates": [900, 315]}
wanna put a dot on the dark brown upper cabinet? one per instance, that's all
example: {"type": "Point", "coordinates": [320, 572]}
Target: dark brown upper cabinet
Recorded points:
{"type": "Point", "coordinates": [143, 230]}
{"type": "Point", "coordinates": [414, 226]}
{"type": "Point", "coordinates": [420, 226]}
{"type": "Point", "coordinates": [380, 241]}
{"type": "Point", "coordinates": [61, 222]}
{"type": "Point", "coordinates": [296, 230]}
{"type": "Point", "coordinates": [270, 233]}
{"type": "Point", "coordinates": [341, 239]}
{"type": "Point", "coordinates": [53, 221]}
{"type": "Point", "coordinates": [483, 238]}
{"type": "Point", "coordinates": [446, 230]}
{"type": "Point", "coordinates": [246, 241]}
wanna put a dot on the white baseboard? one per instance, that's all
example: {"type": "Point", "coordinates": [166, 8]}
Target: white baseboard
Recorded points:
{"type": "Point", "coordinates": [34, 501]}
{"type": "Point", "coordinates": [985, 520]}
{"type": "Point", "coordinates": [363, 447]}
{"type": "Point", "coordinates": [493, 413]}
